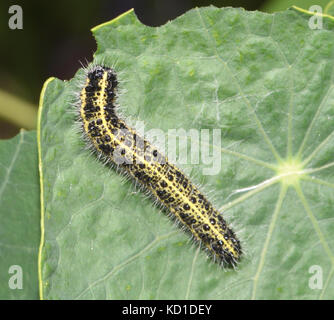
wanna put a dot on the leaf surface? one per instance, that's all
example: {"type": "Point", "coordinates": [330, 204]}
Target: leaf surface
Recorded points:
{"type": "Point", "coordinates": [19, 215]}
{"type": "Point", "coordinates": [266, 81]}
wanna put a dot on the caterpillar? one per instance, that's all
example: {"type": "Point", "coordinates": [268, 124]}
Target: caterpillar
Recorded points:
{"type": "Point", "coordinates": [113, 140]}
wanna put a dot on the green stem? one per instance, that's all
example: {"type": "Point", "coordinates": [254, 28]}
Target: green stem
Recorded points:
{"type": "Point", "coordinates": [17, 111]}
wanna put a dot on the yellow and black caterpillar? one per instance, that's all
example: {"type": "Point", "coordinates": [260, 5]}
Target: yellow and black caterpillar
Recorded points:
{"type": "Point", "coordinates": [112, 139]}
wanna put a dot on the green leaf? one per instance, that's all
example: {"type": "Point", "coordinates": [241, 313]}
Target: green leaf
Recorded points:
{"type": "Point", "coordinates": [329, 9]}
{"type": "Point", "coordinates": [280, 5]}
{"type": "Point", "coordinates": [19, 215]}
{"type": "Point", "coordinates": [266, 81]}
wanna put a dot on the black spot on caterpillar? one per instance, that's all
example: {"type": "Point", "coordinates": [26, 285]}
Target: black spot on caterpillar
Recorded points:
{"type": "Point", "coordinates": [116, 142]}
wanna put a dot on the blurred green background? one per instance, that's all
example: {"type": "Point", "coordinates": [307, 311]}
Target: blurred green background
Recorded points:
{"type": "Point", "coordinates": [56, 37]}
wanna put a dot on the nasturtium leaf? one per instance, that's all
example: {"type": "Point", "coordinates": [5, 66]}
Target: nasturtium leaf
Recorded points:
{"type": "Point", "coordinates": [266, 82]}
{"type": "Point", "coordinates": [280, 5]}
{"type": "Point", "coordinates": [329, 9]}
{"type": "Point", "coordinates": [19, 216]}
